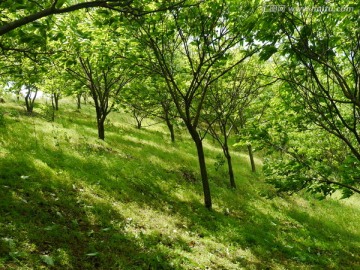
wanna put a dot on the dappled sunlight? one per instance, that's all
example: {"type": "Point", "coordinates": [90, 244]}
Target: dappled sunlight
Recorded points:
{"type": "Point", "coordinates": [179, 135]}
{"type": "Point", "coordinates": [150, 143]}
{"type": "Point", "coordinates": [159, 162]}
{"type": "Point", "coordinates": [134, 199]}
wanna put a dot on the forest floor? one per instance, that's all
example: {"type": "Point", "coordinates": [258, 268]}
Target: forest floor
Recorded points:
{"type": "Point", "coordinates": [134, 201]}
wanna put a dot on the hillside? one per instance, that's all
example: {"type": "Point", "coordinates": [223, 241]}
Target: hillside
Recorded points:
{"type": "Point", "coordinates": [71, 201]}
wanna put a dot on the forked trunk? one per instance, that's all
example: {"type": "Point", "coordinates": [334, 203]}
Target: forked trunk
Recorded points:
{"type": "Point", "coordinates": [29, 101]}
{"type": "Point", "coordinates": [56, 99]}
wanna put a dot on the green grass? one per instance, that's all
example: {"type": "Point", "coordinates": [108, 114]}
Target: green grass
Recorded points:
{"type": "Point", "coordinates": [71, 201]}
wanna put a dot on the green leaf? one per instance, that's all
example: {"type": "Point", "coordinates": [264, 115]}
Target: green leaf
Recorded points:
{"type": "Point", "coordinates": [267, 52]}
{"type": "Point", "coordinates": [60, 3]}
{"type": "Point", "coordinates": [47, 259]}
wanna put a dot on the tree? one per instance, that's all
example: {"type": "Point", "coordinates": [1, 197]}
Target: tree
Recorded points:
{"type": "Point", "coordinates": [26, 76]}
{"type": "Point", "coordinates": [192, 50]}
{"type": "Point", "coordinates": [98, 63]}
{"type": "Point", "coordinates": [168, 112]}
{"type": "Point", "coordinates": [26, 25]}
{"type": "Point", "coordinates": [54, 83]}
{"type": "Point", "coordinates": [138, 99]}
{"type": "Point", "coordinates": [16, 14]}
{"type": "Point", "coordinates": [147, 97]}
{"type": "Point", "coordinates": [80, 92]}
{"type": "Point", "coordinates": [225, 105]}
{"type": "Point", "coordinates": [320, 70]}
{"type": "Point", "coordinates": [104, 83]}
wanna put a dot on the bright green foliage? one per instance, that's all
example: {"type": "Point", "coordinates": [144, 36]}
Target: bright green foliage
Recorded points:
{"type": "Point", "coordinates": [299, 155]}
{"type": "Point", "coordinates": [227, 103]}
{"type": "Point", "coordinates": [320, 102]}
{"type": "Point", "coordinates": [25, 75]}
{"type": "Point", "coordinates": [191, 49]}
{"type": "Point", "coordinates": [98, 63]}
{"type": "Point", "coordinates": [21, 13]}
{"type": "Point", "coordinates": [70, 201]}
{"type": "Point", "coordinates": [139, 98]}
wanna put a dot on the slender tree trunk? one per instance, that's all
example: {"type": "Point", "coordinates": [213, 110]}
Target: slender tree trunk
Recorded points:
{"type": "Point", "coordinates": [78, 101]}
{"type": "Point", "coordinates": [101, 128]}
{"type": "Point", "coordinates": [52, 108]}
{"type": "Point", "coordinates": [231, 172]}
{"type": "Point", "coordinates": [166, 109]}
{"type": "Point", "coordinates": [251, 156]}
{"type": "Point", "coordinates": [56, 99]}
{"type": "Point", "coordinates": [203, 171]}
{"type": "Point", "coordinates": [171, 128]}
{"type": "Point", "coordinates": [230, 167]}
{"type": "Point", "coordinates": [27, 102]}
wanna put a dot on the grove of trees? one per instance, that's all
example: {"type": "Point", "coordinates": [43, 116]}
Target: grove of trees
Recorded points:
{"type": "Point", "coordinates": [285, 84]}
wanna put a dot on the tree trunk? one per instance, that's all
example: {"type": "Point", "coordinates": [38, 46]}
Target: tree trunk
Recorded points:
{"type": "Point", "coordinates": [171, 128]}
{"type": "Point", "coordinates": [166, 110]}
{"type": "Point", "coordinates": [29, 108]}
{"type": "Point", "coordinates": [251, 158]}
{"type": "Point", "coordinates": [101, 128]}
{"type": "Point", "coordinates": [138, 124]}
{"type": "Point", "coordinates": [78, 101]}
{"type": "Point", "coordinates": [52, 108]}
{"type": "Point", "coordinates": [138, 119]}
{"type": "Point", "coordinates": [56, 99]}
{"type": "Point", "coordinates": [27, 102]}
{"type": "Point", "coordinates": [30, 101]}
{"type": "Point", "coordinates": [52, 114]}
{"type": "Point", "coordinates": [203, 171]}
{"type": "Point", "coordinates": [230, 169]}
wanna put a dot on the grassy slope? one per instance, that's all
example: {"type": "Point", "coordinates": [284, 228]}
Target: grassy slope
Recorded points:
{"type": "Point", "coordinates": [70, 201]}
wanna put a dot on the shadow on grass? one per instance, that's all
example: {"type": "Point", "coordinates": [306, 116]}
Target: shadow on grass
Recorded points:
{"type": "Point", "coordinates": [321, 240]}
{"type": "Point", "coordinates": [59, 203]}
{"type": "Point", "coordinates": [43, 217]}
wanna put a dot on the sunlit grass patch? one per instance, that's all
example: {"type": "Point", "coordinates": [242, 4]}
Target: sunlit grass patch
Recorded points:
{"type": "Point", "coordinates": [134, 201]}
